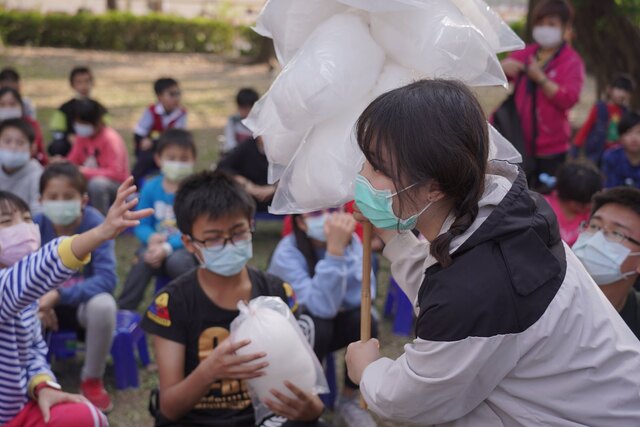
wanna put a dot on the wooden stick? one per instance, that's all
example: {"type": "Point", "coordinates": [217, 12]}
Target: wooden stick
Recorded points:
{"type": "Point", "coordinates": [365, 304]}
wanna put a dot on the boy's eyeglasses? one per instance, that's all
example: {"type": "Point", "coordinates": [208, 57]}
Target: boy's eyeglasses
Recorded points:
{"type": "Point", "coordinates": [612, 236]}
{"type": "Point", "coordinates": [219, 243]}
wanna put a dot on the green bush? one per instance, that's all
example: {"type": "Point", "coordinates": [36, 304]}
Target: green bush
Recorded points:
{"type": "Point", "coordinates": [125, 32]}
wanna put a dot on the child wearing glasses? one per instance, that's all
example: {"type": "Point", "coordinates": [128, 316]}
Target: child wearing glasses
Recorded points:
{"type": "Point", "coordinates": [162, 252]}
{"type": "Point", "coordinates": [202, 380]}
{"type": "Point", "coordinates": [322, 259]}
{"type": "Point", "coordinates": [167, 113]}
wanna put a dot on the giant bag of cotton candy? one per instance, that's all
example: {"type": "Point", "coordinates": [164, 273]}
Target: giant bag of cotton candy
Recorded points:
{"type": "Point", "coordinates": [336, 67]}
{"type": "Point", "coordinates": [273, 329]}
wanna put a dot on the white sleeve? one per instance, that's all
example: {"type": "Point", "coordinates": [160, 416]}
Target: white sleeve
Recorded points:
{"type": "Point", "coordinates": [229, 137]}
{"type": "Point", "coordinates": [438, 382]}
{"type": "Point", "coordinates": [407, 255]}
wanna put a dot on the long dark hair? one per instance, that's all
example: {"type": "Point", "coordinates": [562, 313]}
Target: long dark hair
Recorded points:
{"type": "Point", "coordinates": [303, 242]}
{"type": "Point", "coordinates": [430, 130]}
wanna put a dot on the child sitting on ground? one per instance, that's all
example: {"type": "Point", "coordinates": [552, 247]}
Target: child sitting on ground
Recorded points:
{"type": "Point", "coordinates": [9, 77]}
{"type": "Point", "coordinates": [576, 183]}
{"type": "Point", "coordinates": [202, 381]}
{"type": "Point", "coordinates": [63, 119]}
{"type": "Point", "coordinates": [12, 107]}
{"type": "Point", "coordinates": [600, 132]}
{"type": "Point", "coordinates": [19, 173]}
{"type": "Point", "coordinates": [235, 133]}
{"type": "Point", "coordinates": [85, 302]}
{"type": "Point", "coordinates": [322, 260]}
{"type": "Point", "coordinates": [621, 165]}
{"type": "Point", "coordinates": [100, 153]}
{"type": "Point", "coordinates": [163, 252]}
{"type": "Point", "coordinates": [30, 396]}
{"type": "Point", "coordinates": [167, 113]}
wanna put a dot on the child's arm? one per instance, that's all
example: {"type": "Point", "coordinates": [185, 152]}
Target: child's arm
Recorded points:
{"type": "Point", "coordinates": [38, 369]}
{"type": "Point", "coordinates": [229, 137]}
{"type": "Point", "coordinates": [144, 125]}
{"type": "Point", "coordinates": [181, 123]}
{"type": "Point", "coordinates": [147, 225]}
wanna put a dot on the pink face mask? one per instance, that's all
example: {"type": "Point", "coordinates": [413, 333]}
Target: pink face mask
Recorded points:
{"type": "Point", "coordinates": [18, 241]}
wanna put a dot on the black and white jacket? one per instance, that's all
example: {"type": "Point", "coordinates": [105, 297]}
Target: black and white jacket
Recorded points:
{"type": "Point", "coordinates": [513, 333]}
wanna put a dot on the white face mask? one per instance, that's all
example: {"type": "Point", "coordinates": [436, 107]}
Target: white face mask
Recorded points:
{"type": "Point", "coordinates": [547, 37]}
{"type": "Point", "coordinates": [176, 171]}
{"type": "Point", "coordinates": [83, 130]}
{"type": "Point", "coordinates": [7, 113]}
{"type": "Point", "coordinates": [62, 212]}
{"type": "Point", "coordinates": [602, 258]}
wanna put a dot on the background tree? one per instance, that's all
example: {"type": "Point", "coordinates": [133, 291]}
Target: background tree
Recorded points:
{"type": "Point", "coordinates": [112, 4]}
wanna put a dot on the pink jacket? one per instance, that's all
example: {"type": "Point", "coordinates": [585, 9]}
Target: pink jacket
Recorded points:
{"type": "Point", "coordinates": [554, 130]}
{"type": "Point", "coordinates": [104, 154]}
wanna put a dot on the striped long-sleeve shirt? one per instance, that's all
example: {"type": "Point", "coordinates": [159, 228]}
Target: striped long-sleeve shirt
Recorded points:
{"type": "Point", "coordinates": [22, 348]}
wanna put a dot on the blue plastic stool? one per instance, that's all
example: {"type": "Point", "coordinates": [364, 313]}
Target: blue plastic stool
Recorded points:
{"type": "Point", "coordinates": [128, 335]}
{"type": "Point", "coordinates": [161, 282]}
{"type": "Point", "coordinates": [398, 305]}
{"type": "Point", "coordinates": [62, 345]}
{"type": "Point", "coordinates": [329, 399]}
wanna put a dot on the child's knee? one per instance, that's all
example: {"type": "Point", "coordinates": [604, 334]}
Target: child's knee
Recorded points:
{"type": "Point", "coordinates": [103, 305]}
{"type": "Point", "coordinates": [76, 415]}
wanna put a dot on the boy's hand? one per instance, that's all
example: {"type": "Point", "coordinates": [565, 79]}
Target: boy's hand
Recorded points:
{"type": "Point", "coordinates": [121, 215]}
{"type": "Point", "coordinates": [155, 255]}
{"type": "Point", "coordinates": [49, 397]}
{"type": "Point", "coordinates": [224, 363]}
{"type": "Point", "coordinates": [49, 300]}
{"type": "Point", "coordinates": [146, 144]}
{"type": "Point", "coordinates": [156, 238]}
{"type": "Point", "coordinates": [304, 407]}
{"type": "Point", "coordinates": [339, 229]}
{"type": "Point", "coordinates": [48, 319]}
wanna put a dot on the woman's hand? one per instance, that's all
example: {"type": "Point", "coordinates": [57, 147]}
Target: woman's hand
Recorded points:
{"type": "Point", "coordinates": [359, 356]}
{"type": "Point", "coordinates": [49, 397]}
{"type": "Point", "coordinates": [535, 72]}
{"type": "Point", "coordinates": [224, 363]}
{"type": "Point", "coordinates": [303, 407]}
{"type": "Point", "coordinates": [512, 68]}
{"type": "Point", "coordinates": [339, 229]}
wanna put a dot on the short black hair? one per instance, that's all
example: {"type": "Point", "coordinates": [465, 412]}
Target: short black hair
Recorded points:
{"type": "Point", "coordinates": [176, 137]}
{"type": "Point", "coordinates": [76, 71]}
{"type": "Point", "coordinates": [90, 111]}
{"type": "Point", "coordinates": [9, 74]}
{"type": "Point", "coordinates": [67, 170]}
{"type": "Point", "coordinates": [20, 125]}
{"type": "Point", "coordinates": [630, 120]}
{"type": "Point", "coordinates": [212, 194]}
{"type": "Point", "coordinates": [628, 197]}
{"type": "Point", "coordinates": [5, 90]}
{"type": "Point", "coordinates": [559, 8]}
{"type": "Point", "coordinates": [624, 82]}
{"type": "Point", "coordinates": [10, 203]}
{"type": "Point", "coordinates": [163, 84]}
{"type": "Point", "coordinates": [578, 181]}
{"type": "Point", "coordinates": [246, 97]}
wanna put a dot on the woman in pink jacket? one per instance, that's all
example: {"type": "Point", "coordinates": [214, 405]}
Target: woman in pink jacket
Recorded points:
{"type": "Point", "coordinates": [548, 76]}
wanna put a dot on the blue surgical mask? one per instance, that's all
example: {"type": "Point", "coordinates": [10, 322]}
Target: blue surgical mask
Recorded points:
{"type": "Point", "coordinates": [13, 159]}
{"type": "Point", "coordinates": [377, 206]}
{"type": "Point", "coordinates": [62, 212]}
{"type": "Point", "coordinates": [315, 227]}
{"type": "Point", "coordinates": [228, 261]}
{"type": "Point", "coordinates": [602, 258]}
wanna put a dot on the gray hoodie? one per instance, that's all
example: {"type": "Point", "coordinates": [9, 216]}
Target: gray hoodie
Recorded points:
{"type": "Point", "coordinates": [24, 183]}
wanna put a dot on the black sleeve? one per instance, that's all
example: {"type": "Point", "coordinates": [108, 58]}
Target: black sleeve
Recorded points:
{"type": "Point", "coordinates": [166, 317]}
{"type": "Point", "coordinates": [232, 161]}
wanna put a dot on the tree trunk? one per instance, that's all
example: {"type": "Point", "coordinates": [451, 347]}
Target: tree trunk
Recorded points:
{"type": "Point", "coordinates": [112, 4]}
{"type": "Point", "coordinates": [154, 5]}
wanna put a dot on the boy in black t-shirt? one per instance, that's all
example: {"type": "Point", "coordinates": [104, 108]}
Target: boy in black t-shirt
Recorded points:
{"type": "Point", "coordinates": [202, 380]}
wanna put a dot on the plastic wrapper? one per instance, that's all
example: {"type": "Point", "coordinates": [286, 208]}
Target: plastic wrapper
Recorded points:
{"type": "Point", "coordinates": [497, 33]}
{"type": "Point", "coordinates": [437, 40]}
{"type": "Point", "coordinates": [272, 329]}
{"type": "Point", "coordinates": [392, 77]}
{"type": "Point", "coordinates": [501, 149]}
{"type": "Point", "coordinates": [323, 171]}
{"type": "Point", "coordinates": [339, 63]}
{"type": "Point", "coordinates": [290, 22]}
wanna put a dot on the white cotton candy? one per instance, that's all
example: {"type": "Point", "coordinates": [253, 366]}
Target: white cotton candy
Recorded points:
{"type": "Point", "coordinates": [323, 171]}
{"type": "Point", "coordinates": [381, 5]}
{"type": "Point", "coordinates": [392, 77]}
{"type": "Point", "coordinates": [268, 323]}
{"type": "Point", "coordinates": [338, 64]}
{"type": "Point", "coordinates": [497, 33]}
{"type": "Point", "coordinates": [439, 42]}
{"type": "Point", "coordinates": [290, 22]}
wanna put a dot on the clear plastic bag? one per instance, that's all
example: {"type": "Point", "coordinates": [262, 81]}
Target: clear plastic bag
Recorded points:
{"type": "Point", "coordinates": [438, 41]}
{"type": "Point", "coordinates": [290, 22]}
{"type": "Point", "coordinates": [272, 329]}
{"type": "Point", "coordinates": [392, 77]}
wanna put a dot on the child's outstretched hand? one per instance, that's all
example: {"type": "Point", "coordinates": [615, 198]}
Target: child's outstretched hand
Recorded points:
{"type": "Point", "coordinates": [121, 215]}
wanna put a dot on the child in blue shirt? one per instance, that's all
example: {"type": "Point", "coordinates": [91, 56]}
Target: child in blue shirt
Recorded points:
{"type": "Point", "coordinates": [621, 165]}
{"type": "Point", "coordinates": [322, 260]}
{"type": "Point", "coordinates": [163, 252]}
{"type": "Point", "coordinates": [85, 302]}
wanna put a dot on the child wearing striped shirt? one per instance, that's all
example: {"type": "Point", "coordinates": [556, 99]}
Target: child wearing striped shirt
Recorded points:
{"type": "Point", "coordinates": [29, 395]}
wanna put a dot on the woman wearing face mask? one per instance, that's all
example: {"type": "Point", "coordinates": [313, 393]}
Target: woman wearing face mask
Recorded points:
{"type": "Point", "coordinates": [11, 107]}
{"type": "Point", "coordinates": [322, 260]}
{"type": "Point", "coordinates": [509, 322]}
{"type": "Point", "coordinates": [548, 76]}
{"type": "Point", "coordinates": [100, 153]}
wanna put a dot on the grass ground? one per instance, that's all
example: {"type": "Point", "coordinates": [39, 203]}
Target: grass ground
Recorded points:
{"type": "Point", "coordinates": [124, 85]}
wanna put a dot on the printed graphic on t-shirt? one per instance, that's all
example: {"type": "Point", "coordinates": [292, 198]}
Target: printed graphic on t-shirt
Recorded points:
{"type": "Point", "coordinates": [159, 310]}
{"type": "Point", "coordinates": [224, 394]}
{"type": "Point", "coordinates": [165, 217]}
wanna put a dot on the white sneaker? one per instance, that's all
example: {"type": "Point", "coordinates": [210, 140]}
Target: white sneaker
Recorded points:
{"type": "Point", "coordinates": [352, 414]}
